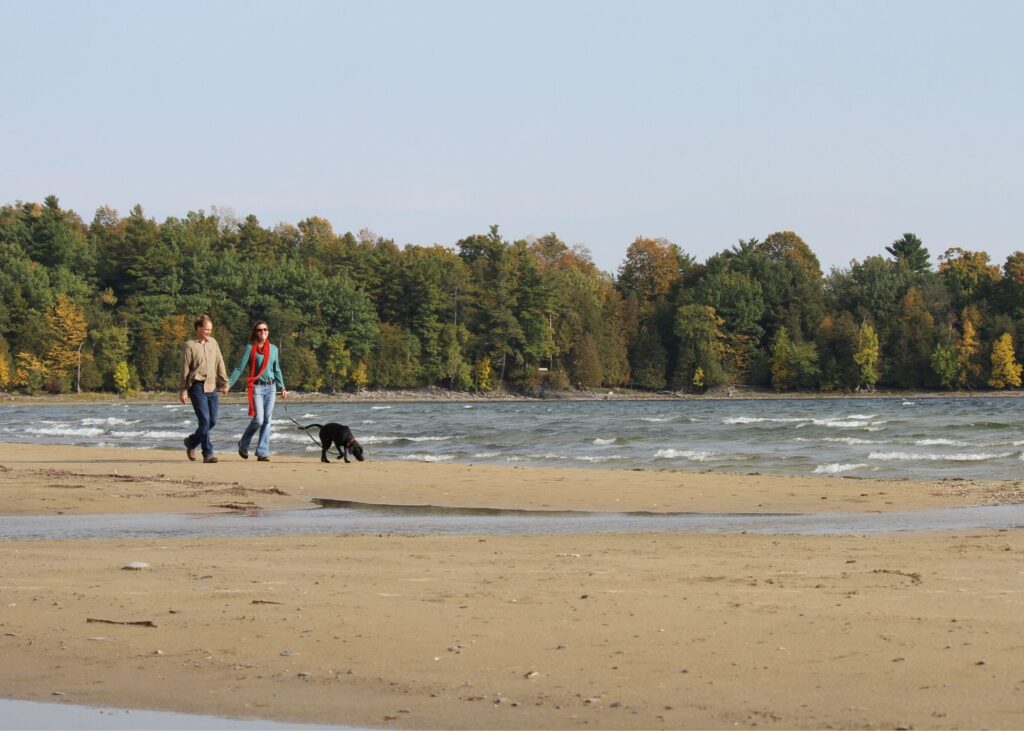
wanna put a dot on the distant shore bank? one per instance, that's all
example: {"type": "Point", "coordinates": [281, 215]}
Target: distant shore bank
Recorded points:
{"type": "Point", "coordinates": [440, 394]}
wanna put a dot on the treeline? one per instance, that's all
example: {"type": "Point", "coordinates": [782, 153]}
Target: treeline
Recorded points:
{"type": "Point", "coordinates": [106, 305]}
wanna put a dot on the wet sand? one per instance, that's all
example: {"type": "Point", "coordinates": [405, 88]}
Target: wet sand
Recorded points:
{"type": "Point", "coordinates": [564, 631]}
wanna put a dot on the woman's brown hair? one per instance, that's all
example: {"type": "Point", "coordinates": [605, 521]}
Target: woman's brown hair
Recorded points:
{"type": "Point", "coordinates": [252, 335]}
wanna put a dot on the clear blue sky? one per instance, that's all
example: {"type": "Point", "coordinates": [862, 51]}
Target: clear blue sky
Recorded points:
{"type": "Point", "coordinates": [700, 122]}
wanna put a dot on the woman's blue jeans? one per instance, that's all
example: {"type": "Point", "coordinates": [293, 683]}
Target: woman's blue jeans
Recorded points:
{"type": "Point", "coordinates": [263, 396]}
{"type": "Point", "coordinates": [206, 406]}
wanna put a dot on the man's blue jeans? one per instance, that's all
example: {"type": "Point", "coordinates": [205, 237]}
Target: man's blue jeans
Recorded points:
{"type": "Point", "coordinates": [206, 406]}
{"type": "Point", "coordinates": [263, 396]}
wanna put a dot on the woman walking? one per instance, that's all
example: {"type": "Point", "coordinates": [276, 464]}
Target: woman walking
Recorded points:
{"type": "Point", "coordinates": [264, 376]}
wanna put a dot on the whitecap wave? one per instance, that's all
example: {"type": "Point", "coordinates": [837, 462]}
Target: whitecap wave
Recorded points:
{"type": "Point", "coordinates": [148, 434]}
{"type": "Point", "coordinates": [852, 441]}
{"type": "Point", "coordinates": [836, 468]}
{"type": "Point", "coordinates": [656, 419]}
{"type": "Point", "coordinates": [378, 440]}
{"type": "Point", "coordinates": [940, 443]}
{"type": "Point", "coordinates": [599, 442]}
{"type": "Point", "coordinates": [847, 424]}
{"type": "Point", "coordinates": [379, 408]}
{"type": "Point", "coordinates": [765, 420]}
{"type": "Point", "coordinates": [927, 456]}
{"type": "Point", "coordinates": [57, 431]}
{"type": "Point", "coordinates": [427, 457]}
{"type": "Point", "coordinates": [693, 455]}
{"type": "Point", "coordinates": [109, 421]}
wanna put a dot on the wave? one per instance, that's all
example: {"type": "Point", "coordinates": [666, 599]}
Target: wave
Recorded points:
{"type": "Point", "coordinates": [148, 434]}
{"type": "Point", "coordinates": [379, 408]}
{"type": "Point", "coordinates": [427, 457]}
{"type": "Point", "coordinates": [693, 455]}
{"type": "Point", "coordinates": [917, 457]}
{"type": "Point", "coordinates": [940, 443]}
{"type": "Point", "coordinates": [836, 468]}
{"type": "Point", "coordinates": [766, 420]}
{"type": "Point", "coordinates": [848, 424]}
{"type": "Point", "coordinates": [852, 441]}
{"type": "Point", "coordinates": [59, 431]}
{"type": "Point", "coordinates": [109, 421]}
{"type": "Point", "coordinates": [598, 442]}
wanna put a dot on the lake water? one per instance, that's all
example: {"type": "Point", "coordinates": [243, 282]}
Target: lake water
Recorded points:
{"type": "Point", "coordinates": [971, 438]}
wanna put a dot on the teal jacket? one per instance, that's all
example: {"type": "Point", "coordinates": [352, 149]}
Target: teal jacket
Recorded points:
{"type": "Point", "coordinates": [271, 375]}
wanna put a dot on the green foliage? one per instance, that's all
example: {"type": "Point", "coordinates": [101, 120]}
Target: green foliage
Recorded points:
{"type": "Point", "coordinates": [357, 310]}
{"type": "Point", "coordinates": [794, 364]}
{"type": "Point", "coordinates": [944, 363]}
{"type": "Point", "coordinates": [912, 342]}
{"type": "Point", "coordinates": [910, 252]}
{"type": "Point", "coordinates": [701, 347]}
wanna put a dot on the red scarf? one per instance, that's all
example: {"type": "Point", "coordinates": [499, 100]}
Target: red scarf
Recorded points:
{"type": "Point", "coordinates": [250, 382]}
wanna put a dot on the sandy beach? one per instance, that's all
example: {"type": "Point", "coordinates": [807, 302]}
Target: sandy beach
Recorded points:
{"type": "Point", "coordinates": [564, 631]}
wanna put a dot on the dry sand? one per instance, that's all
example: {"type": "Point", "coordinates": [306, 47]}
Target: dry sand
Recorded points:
{"type": "Point", "coordinates": [568, 631]}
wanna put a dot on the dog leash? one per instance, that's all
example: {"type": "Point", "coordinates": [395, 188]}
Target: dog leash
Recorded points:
{"type": "Point", "coordinates": [301, 428]}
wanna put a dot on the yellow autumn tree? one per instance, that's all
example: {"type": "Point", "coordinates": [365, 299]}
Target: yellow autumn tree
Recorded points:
{"type": "Point", "coordinates": [359, 376]}
{"type": "Point", "coordinates": [1005, 369]}
{"type": "Point", "coordinates": [867, 356]}
{"type": "Point", "coordinates": [69, 329]}
{"type": "Point", "coordinates": [483, 375]}
{"type": "Point", "coordinates": [6, 371]}
{"type": "Point", "coordinates": [966, 355]}
{"type": "Point", "coordinates": [29, 372]}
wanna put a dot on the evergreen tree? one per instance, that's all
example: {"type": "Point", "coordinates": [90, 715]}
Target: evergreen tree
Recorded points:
{"type": "Point", "coordinates": [910, 251]}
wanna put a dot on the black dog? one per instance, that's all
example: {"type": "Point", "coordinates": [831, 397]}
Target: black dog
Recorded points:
{"type": "Point", "coordinates": [340, 436]}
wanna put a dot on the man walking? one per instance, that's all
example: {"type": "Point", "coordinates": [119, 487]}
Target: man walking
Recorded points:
{"type": "Point", "coordinates": [202, 374]}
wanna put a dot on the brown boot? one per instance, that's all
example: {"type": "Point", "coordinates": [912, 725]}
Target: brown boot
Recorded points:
{"type": "Point", "coordinates": [190, 452]}
{"type": "Point", "coordinates": [210, 460]}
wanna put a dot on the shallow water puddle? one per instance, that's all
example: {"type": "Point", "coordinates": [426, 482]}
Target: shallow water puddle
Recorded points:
{"type": "Point", "coordinates": [344, 517]}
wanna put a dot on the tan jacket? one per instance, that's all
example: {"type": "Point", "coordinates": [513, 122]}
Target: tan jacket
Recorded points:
{"type": "Point", "coordinates": [203, 362]}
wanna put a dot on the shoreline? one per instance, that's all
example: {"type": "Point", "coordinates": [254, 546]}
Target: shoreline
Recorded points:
{"type": "Point", "coordinates": [606, 631]}
{"type": "Point", "coordinates": [431, 395]}
{"type": "Point", "coordinates": [44, 479]}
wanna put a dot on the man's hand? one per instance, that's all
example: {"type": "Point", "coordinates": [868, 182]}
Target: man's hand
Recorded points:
{"type": "Point", "coordinates": [284, 393]}
{"type": "Point", "coordinates": [183, 398]}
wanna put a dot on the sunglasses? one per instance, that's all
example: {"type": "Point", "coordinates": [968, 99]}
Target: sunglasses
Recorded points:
{"type": "Point", "coordinates": [262, 330]}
